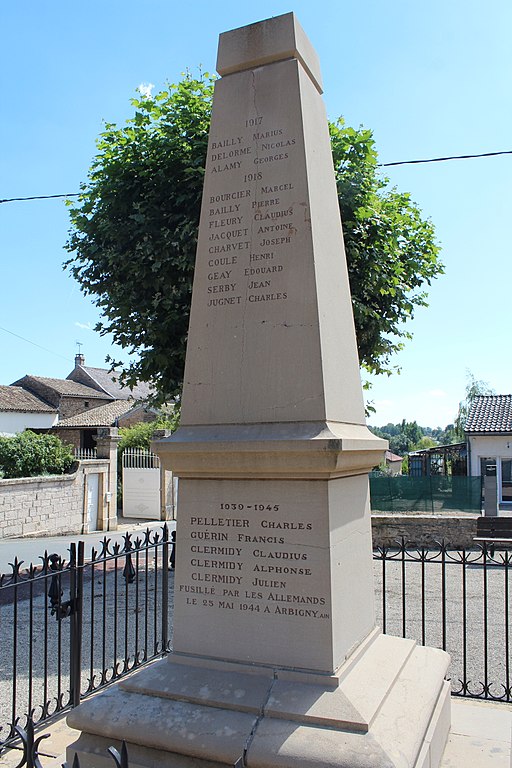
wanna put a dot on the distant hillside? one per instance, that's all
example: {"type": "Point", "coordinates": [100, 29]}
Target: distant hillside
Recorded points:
{"type": "Point", "coordinates": [408, 436]}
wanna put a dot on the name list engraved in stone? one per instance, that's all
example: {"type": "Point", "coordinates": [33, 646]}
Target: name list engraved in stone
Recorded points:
{"type": "Point", "coordinates": [258, 562]}
{"type": "Point", "coordinates": [256, 221]}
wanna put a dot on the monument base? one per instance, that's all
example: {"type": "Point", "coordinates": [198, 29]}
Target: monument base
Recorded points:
{"type": "Point", "coordinates": [387, 706]}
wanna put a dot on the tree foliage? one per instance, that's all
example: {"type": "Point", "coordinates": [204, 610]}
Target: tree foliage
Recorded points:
{"type": "Point", "coordinates": [134, 234]}
{"type": "Point", "coordinates": [140, 435]}
{"type": "Point", "coordinates": [31, 455]}
{"type": "Point", "coordinates": [474, 388]}
{"type": "Point", "coordinates": [391, 250]}
{"type": "Point", "coordinates": [408, 436]}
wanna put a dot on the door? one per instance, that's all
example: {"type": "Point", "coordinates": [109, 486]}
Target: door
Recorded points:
{"type": "Point", "coordinates": [506, 481]}
{"type": "Point", "coordinates": [93, 497]}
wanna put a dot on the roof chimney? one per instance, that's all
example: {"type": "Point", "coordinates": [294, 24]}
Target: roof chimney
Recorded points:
{"type": "Point", "coordinates": [79, 360]}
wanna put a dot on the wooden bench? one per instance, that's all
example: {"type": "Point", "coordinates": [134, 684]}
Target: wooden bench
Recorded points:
{"type": "Point", "coordinates": [494, 530]}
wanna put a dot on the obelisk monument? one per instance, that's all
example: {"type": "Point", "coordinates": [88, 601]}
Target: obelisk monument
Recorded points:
{"type": "Point", "coordinates": [276, 656]}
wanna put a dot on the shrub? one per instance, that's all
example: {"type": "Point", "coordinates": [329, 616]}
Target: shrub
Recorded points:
{"type": "Point", "coordinates": [140, 435]}
{"type": "Point", "coordinates": [30, 455]}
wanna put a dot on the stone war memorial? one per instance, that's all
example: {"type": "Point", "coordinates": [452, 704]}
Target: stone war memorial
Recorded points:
{"type": "Point", "coordinates": [276, 655]}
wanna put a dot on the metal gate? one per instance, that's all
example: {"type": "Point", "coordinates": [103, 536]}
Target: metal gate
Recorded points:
{"type": "Point", "coordinates": [141, 484]}
{"type": "Point", "coordinates": [93, 486]}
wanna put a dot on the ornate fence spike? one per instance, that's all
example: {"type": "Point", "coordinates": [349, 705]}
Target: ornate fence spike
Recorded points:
{"type": "Point", "coordinates": [16, 566]}
{"type": "Point", "coordinates": [30, 745]}
{"type": "Point", "coordinates": [128, 570]}
{"type": "Point", "coordinates": [121, 760]}
{"type": "Point", "coordinates": [93, 629]}
{"type": "Point", "coordinates": [103, 550]}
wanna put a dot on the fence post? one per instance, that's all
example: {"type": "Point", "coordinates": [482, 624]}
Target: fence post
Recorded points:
{"type": "Point", "coordinates": [165, 588]}
{"type": "Point", "coordinates": [76, 578]}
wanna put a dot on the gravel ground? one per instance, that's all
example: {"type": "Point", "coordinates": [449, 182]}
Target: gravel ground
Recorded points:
{"type": "Point", "coordinates": [476, 637]}
{"type": "Point", "coordinates": [131, 620]}
{"type": "Point", "coordinates": [476, 629]}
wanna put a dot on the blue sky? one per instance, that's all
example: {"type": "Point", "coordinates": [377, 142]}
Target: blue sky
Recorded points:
{"type": "Point", "coordinates": [430, 79]}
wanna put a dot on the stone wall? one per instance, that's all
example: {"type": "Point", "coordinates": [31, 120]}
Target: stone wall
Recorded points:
{"type": "Point", "coordinates": [72, 406]}
{"type": "Point", "coordinates": [137, 416]}
{"type": "Point", "coordinates": [423, 530]}
{"type": "Point", "coordinates": [51, 505]}
{"type": "Point", "coordinates": [69, 437]}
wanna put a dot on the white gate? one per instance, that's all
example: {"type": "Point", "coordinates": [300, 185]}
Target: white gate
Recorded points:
{"type": "Point", "coordinates": [93, 492]}
{"type": "Point", "coordinates": [141, 484]}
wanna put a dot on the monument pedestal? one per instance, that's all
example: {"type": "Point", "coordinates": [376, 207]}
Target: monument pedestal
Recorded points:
{"type": "Point", "coordinates": [276, 658]}
{"type": "Point", "coordinates": [287, 577]}
{"type": "Point", "coordinates": [387, 706]}
{"type": "Point", "coordinates": [274, 542]}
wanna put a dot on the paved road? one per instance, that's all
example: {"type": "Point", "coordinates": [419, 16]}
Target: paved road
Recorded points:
{"type": "Point", "coordinates": [30, 550]}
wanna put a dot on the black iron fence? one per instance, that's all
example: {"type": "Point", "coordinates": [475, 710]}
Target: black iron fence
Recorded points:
{"type": "Point", "coordinates": [457, 600]}
{"type": "Point", "coordinates": [71, 627]}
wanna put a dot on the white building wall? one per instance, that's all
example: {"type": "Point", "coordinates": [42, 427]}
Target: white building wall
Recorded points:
{"type": "Point", "coordinates": [12, 422]}
{"type": "Point", "coordinates": [492, 446]}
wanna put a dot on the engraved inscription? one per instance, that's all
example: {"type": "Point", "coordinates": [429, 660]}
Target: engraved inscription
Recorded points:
{"type": "Point", "coordinates": [246, 557]}
{"type": "Point", "coordinates": [254, 221]}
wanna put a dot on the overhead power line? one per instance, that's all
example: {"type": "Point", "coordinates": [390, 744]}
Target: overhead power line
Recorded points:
{"type": "Point", "coordinates": [34, 344]}
{"type": "Point", "coordinates": [37, 197]}
{"type": "Point", "coordinates": [442, 159]}
{"type": "Point", "coordinates": [380, 165]}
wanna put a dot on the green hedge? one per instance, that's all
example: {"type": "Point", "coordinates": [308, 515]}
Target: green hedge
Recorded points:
{"type": "Point", "coordinates": [31, 455]}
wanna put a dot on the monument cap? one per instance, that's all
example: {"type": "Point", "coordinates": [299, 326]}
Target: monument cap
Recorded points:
{"type": "Point", "coordinates": [275, 39]}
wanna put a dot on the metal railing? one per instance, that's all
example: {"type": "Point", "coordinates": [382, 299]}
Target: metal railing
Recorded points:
{"type": "Point", "coordinates": [457, 600]}
{"type": "Point", "coordinates": [138, 458]}
{"type": "Point", "coordinates": [70, 628]}
{"type": "Point", "coordinates": [86, 453]}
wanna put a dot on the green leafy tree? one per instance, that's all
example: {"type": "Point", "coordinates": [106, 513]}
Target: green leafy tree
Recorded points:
{"type": "Point", "coordinates": [424, 443]}
{"type": "Point", "coordinates": [400, 444]}
{"type": "Point", "coordinates": [412, 431]}
{"type": "Point", "coordinates": [474, 388]}
{"type": "Point", "coordinates": [134, 234]}
{"type": "Point", "coordinates": [31, 455]}
{"type": "Point", "coordinates": [446, 436]}
{"type": "Point", "coordinates": [140, 435]}
{"type": "Point", "coordinates": [391, 250]}
{"type": "Point", "coordinates": [405, 436]}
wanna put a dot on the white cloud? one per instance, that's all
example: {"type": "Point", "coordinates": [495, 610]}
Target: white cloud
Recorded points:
{"type": "Point", "coordinates": [85, 326]}
{"type": "Point", "coordinates": [145, 89]}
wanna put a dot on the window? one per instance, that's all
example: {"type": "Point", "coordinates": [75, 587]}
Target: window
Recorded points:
{"type": "Point", "coordinates": [506, 480]}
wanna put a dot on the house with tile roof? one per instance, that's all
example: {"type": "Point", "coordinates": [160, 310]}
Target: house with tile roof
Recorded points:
{"type": "Point", "coordinates": [107, 382]}
{"type": "Point", "coordinates": [89, 398]}
{"type": "Point", "coordinates": [21, 410]}
{"type": "Point", "coordinates": [393, 463]}
{"type": "Point", "coordinates": [81, 430]}
{"type": "Point", "coordinates": [68, 397]}
{"type": "Point", "coordinates": [488, 432]}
